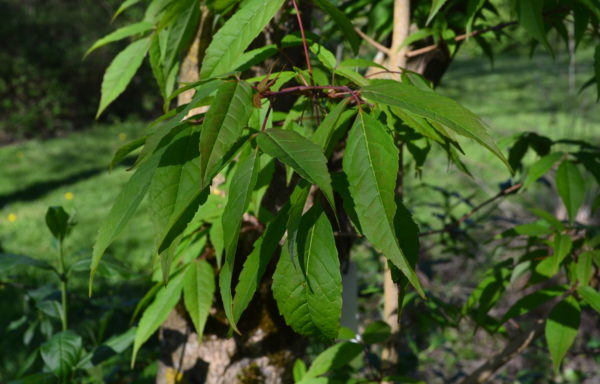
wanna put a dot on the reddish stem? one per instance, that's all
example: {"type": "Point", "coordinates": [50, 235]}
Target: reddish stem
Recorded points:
{"type": "Point", "coordinates": [301, 26]}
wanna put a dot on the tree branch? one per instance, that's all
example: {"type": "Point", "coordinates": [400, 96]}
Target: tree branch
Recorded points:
{"type": "Point", "coordinates": [514, 348]}
{"type": "Point", "coordinates": [372, 41]}
{"type": "Point", "coordinates": [505, 192]}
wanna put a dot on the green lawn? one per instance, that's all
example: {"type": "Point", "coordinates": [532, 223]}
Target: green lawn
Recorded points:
{"type": "Point", "coordinates": [72, 172]}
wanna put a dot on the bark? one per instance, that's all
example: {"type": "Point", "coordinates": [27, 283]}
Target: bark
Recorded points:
{"type": "Point", "coordinates": [266, 349]}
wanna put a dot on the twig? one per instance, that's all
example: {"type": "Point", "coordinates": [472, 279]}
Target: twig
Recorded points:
{"type": "Point", "coordinates": [464, 36]}
{"type": "Point", "coordinates": [505, 192]}
{"type": "Point", "coordinates": [372, 41]}
{"type": "Point", "coordinates": [301, 26]}
{"type": "Point", "coordinates": [514, 348]}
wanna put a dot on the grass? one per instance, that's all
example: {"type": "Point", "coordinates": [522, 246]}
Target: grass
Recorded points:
{"type": "Point", "coordinates": [72, 172]}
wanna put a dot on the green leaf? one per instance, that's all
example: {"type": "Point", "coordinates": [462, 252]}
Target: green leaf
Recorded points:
{"type": "Point", "coordinates": [122, 210]}
{"type": "Point", "coordinates": [585, 269]}
{"type": "Point", "coordinates": [325, 131]}
{"type": "Point", "coordinates": [61, 353]}
{"type": "Point", "coordinates": [121, 70]}
{"type": "Point", "coordinates": [240, 193]}
{"type": "Point", "coordinates": [223, 125]}
{"type": "Point", "coordinates": [376, 332]}
{"type": "Point", "coordinates": [57, 221]}
{"type": "Point", "coordinates": [232, 39]}
{"type": "Point", "coordinates": [8, 261]}
{"type": "Point", "coordinates": [333, 358]}
{"type": "Point", "coordinates": [256, 263]}
{"type": "Point", "coordinates": [157, 312]}
{"type": "Point", "coordinates": [472, 8]}
{"type": "Point", "coordinates": [121, 33]}
{"type": "Point", "coordinates": [181, 32]}
{"type": "Point", "coordinates": [297, 203]}
{"type": "Point", "coordinates": [296, 151]}
{"type": "Point", "coordinates": [125, 150]}
{"type": "Point", "coordinates": [532, 301]}
{"type": "Point", "coordinates": [540, 168]}
{"type": "Point", "coordinates": [371, 164]}
{"type": "Point", "coordinates": [562, 247]}
{"type": "Point", "coordinates": [435, 8]}
{"type": "Point", "coordinates": [531, 18]}
{"type": "Point", "coordinates": [112, 347]}
{"type": "Point", "coordinates": [198, 291]}
{"type": "Point", "coordinates": [124, 6]}
{"type": "Point", "coordinates": [571, 188]}
{"type": "Point", "coordinates": [176, 178]}
{"type": "Point", "coordinates": [590, 296]}
{"type": "Point", "coordinates": [308, 288]}
{"type": "Point", "coordinates": [343, 23]}
{"type": "Point", "coordinates": [434, 107]}
{"type": "Point", "coordinates": [561, 329]}
{"type": "Point", "coordinates": [181, 218]}
{"type": "Point", "coordinates": [299, 370]}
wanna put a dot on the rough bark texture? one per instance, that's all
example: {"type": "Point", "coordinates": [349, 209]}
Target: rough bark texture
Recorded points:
{"type": "Point", "coordinates": [265, 350]}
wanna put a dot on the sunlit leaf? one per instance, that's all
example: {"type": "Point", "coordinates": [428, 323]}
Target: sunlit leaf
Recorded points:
{"type": "Point", "coordinates": [223, 125]}
{"type": "Point", "coordinates": [240, 193]}
{"type": "Point", "coordinates": [198, 290]}
{"type": "Point", "coordinates": [308, 288]}
{"type": "Point", "coordinates": [371, 164]}
{"type": "Point", "coordinates": [434, 107]}
{"type": "Point", "coordinates": [232, 39]}
{"type": "Point", "coordinates": [571, 187]}
{"type": "Point", "coordinates": [121, 70]}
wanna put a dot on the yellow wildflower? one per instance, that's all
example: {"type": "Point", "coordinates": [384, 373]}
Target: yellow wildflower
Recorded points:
{"type": "Point", "coordinates": [69, 195]}
{"type": "Point", "coordinates": [122, 136]}
{"type": "Point", "coordinates": [12, 217]}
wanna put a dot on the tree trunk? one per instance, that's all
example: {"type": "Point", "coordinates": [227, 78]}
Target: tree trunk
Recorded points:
{"type": "Point", "coordinates": [266, 349]}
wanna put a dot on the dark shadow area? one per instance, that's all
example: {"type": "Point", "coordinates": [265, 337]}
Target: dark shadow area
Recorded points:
{"type": "Point", "coordinates": [37, 190]}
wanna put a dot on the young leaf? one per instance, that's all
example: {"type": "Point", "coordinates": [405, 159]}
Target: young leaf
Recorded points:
{"type": "Point", "coordinates": [585, 269]}
{"type": "Point", "coordinates": [531, 18]}
{"type": "Point", "coordinates": [333, 358]}
{"type": "Point", "coordinates": [371, 164]}
{"type": "Point", "coordinates": [299, 370]}
{"type": "Point", "coordinates": [121, 70]}
{"type": "Point", "coordinates": [540, 167]}
{"type": "Point", "coordinates": [122, 210]}
{"type": "Point", "coordinates": [223, 125]}
{"type": "Point", "coordinates": [234, 37]}
{"type": "Point", "coordinates": [256, 263]}
{"type": "Point", "coordinates": [343, 23]}
{"type": "Point", "coordinates": [61, 353]}
{"type": "Point", "coordinates": [296, 151]}
{"type": "Point", "coordinates": [57, 221]}
{"type": "Point", "coordinates": [590, 296]}
{"type": "Point", "coordinates": [124, 6]}
{"type": "Point", "coordinates": [121, 33]}
{"type": "Point", "coordinates": [472, 8]}
{"type": "Point", "coordinates": [157, 312]}
{"type": "Point", "coordinates": [198, 290]}
{"type": "Point", "coordinates": [571, 188]}
{"type": "Point", "coordinates": [434, 107]}
{"type": "Point", "coordinates": [240, 193]}
{"type": "Point", "coordinates": [435, 8]}
{"type": "Point", "coordinates": [308, 289]}
{"type": "Point", "coordinates": [561, 329]}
